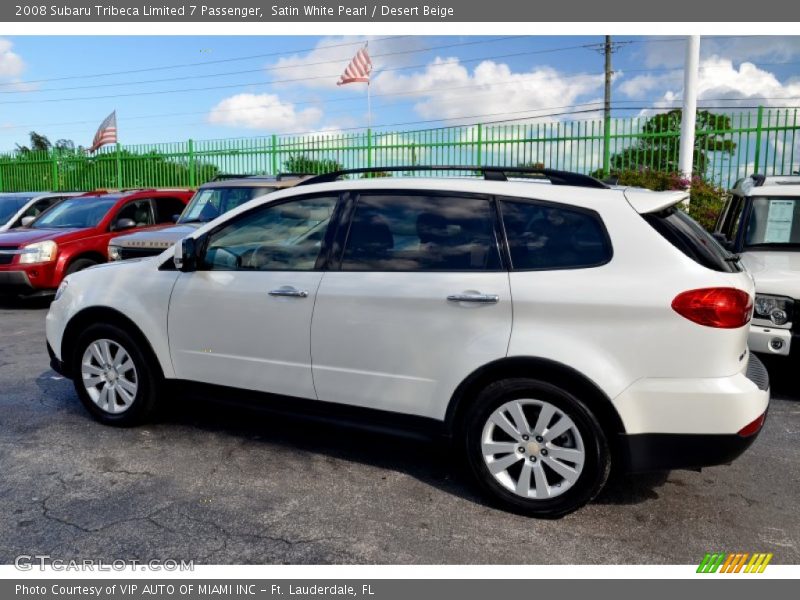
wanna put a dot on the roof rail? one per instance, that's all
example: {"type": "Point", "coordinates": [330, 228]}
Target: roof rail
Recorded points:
{"type": "Point", "coordinates": [758, 179]}
{"type": "Point", "coordinates": [281, 176]}
{"type": "Point", "coordinates": [489, 173]}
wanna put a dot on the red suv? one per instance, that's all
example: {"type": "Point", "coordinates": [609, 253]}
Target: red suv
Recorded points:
{"type": "Point", "coordinates": [74, 235]}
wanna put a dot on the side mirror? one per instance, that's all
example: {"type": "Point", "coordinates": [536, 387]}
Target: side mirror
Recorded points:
{"type": "Point", "coordinates": [124, 224]}
{"type": "Point", "coordinates": [26, 221]}
{"type": "Point", "coordinates": [186, 255]}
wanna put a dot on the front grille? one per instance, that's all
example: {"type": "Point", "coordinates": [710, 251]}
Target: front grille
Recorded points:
{"type": "Point", "coordinates": [127, 253]}
{"type": "Point", "coordinates": [6, 259]}
{"type": "Point", "coordinates": [757, 372]}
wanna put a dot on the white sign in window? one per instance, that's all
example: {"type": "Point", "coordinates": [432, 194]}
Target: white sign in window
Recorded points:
{"type": "Point", "coordinates": [779, 222]}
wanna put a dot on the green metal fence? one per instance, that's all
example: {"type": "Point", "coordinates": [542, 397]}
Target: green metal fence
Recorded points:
{"type": "Point", "coordinates": [729, 146]}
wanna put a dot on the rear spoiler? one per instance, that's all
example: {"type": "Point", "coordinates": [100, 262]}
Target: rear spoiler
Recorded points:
{"type": "Point", "coordinates": [646, 201]}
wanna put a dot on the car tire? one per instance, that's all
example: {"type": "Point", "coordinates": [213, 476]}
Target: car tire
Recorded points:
{"type": "Point", "coordinates": [80, 265]}
{"type": "Point", "coordinates": [540, 472]}
{"type": "Point", "coordinates": [107, 357]}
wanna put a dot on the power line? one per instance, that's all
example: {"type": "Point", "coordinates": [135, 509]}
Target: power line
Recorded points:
{"type": "Point", "coordinates": [199, 64]}
{"type": "Point", "coordinates": [258, 70]}
{"type": "Point", "coordinates": [259, 83]}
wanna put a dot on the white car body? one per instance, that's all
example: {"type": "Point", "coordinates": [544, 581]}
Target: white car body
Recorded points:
{"type": "Point", "coordinates": [390, 341]}
{"type": "Point", "coordinates": [39, 197]}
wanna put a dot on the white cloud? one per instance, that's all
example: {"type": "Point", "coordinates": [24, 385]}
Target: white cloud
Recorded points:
{"type": "Point", "coordinates": [11, 63]}
{"type": "Point", "coordinates": [446, 89]}
{"type": "Point", "coordinates": [719, 79]}
{"type": "Point", "coordinates": [263, 111]}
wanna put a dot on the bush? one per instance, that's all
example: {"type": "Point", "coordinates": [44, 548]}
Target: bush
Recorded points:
{"type": "Point", "coordinates": [705, 199]}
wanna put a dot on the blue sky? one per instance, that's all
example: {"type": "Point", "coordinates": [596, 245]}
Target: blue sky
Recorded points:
{"type": "Point", "coordinates": [253, 86]}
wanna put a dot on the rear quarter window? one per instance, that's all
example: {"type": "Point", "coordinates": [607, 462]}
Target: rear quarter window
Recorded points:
{"type": "Point", "coordinates": [683, 232]}
{"type": "Point", "coordinates": [546, 236]}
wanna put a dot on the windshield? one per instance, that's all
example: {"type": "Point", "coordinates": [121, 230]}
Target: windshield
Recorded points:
{"type": "Point", "coordinates": [80, 213]}
{"type": "Point", "coordinates": [9, 205]}
{"type": "Point", "coordinates": [774, 221]}
{"type": "Point", "coordinates": [209, 203]}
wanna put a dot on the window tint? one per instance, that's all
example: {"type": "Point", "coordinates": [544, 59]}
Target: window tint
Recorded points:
{"type": "Point", "coordinates": [140, 211]}
{"type": "Point", "coordinates": [167, 208]}
{"type": "Point", "coordinates": [411, 232]}
{"type": "Point", "coordinates": [282, 237]}
{"type": "Point", "coordinates": [683, 232]}
{"type": "Point", "coordinates": [732, 220]}
{"type": "Point", "coordinates": [76, 212]}
{"type": "Point", "coordinates": [549, 237]}
{"type": "Point", "coordinates": [209, 203]}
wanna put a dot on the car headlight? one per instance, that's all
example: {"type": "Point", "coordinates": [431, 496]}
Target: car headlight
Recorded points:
{"type": "Point", "coordinates": [39, 252]}
{"type": "Point", "coordinates": [61, 289]}
{"type": "Point", "coordinates": [114, 253]}
{"type": "Point", "coordinates": [777, 309]}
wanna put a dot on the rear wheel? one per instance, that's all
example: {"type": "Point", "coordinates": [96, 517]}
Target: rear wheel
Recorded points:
{"type": "Point", "coordinates": [116, 380]}
{"type": "Point", "coordinates": [535, 448]}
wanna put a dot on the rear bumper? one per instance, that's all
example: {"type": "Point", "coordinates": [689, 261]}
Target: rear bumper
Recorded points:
{"type": "Point", "coordinates": [684, 424]}
{"type": "Point", "coordinates": [665, 451]}
{"type": "Point", "coordinates": [15, 282]}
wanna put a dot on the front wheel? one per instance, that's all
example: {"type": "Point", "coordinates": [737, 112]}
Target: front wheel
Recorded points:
{"type": "Point", "coordinates": [114, 377]}
{"type": "Point", "coordinates": [535, 448]}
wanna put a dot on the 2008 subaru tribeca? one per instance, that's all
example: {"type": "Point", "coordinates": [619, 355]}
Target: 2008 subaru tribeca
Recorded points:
{"type": "Point", "coordinates": [548, 324]}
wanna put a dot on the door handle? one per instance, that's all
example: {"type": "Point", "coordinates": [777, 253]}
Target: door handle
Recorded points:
{"type": "Point", "coordinates": [289, 291]}
{"type": "Point", "coordinates": [478, 298]}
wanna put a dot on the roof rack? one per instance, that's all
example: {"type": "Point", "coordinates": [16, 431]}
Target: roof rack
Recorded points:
{"type": "Point", "coordinates": [758, 179]}
{"type": "Point", "coordinates": [281, 176]}
{"type": "Point", "coordinates": [489, 173]}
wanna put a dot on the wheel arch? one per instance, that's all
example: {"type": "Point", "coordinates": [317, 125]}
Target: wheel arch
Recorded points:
{"type": "Point", "coordinates": [103, 315]}
{"type": "Point", "coordinates": [542, 369]}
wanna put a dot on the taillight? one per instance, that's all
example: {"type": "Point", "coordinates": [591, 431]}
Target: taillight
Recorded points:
{"type": "Point", "coordinates": [726, 308]}
{"type": "Point", "coordinates": [753, 428]}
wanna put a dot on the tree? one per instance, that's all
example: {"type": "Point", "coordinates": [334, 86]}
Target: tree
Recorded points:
{"type": "Point", "coordinates": [39, 143]}
{"type": "Point", "coordinates": [303, 164]}
{"type": "Point", "coordinates": [657, 148]}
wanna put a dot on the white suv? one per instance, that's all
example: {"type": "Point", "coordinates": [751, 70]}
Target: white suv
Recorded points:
{"type": "Point", "coordinates": [761, 222]}
{"type": "Point", "coordinates": [551, 327]}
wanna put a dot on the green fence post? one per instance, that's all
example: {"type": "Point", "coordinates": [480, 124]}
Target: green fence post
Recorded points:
{"type": "Point", "coordinates": [119, 167]}
{"type": "Point", "coordinates": [759, 125]}
{"type": "Point", "coordinates": [480, 145]}
{"type": "Point", "coordinates": [274, 152]}
{"type": "Point", "coordinates": [606, 146]}
{"type": "Point", "coordinates": [54, 187]}
{"type": "Point", "coordinates": [369, 147]}
{"type": "Point", "coordinates": [192, 172]}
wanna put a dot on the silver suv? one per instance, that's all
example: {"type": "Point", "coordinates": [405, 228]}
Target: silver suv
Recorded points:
{"type": "Point", "coordinates": [212, 199]}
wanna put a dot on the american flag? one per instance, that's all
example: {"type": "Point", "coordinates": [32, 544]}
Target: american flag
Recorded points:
{"type": "Point", "coordinates": [106, 133]}
{"type": "Point", "coordinates": [358, 70]}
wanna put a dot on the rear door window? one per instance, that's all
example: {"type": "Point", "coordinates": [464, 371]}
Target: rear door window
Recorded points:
{"type": "Point", "coordinates": [419, 231]}
{"type": "Point", "coordinates": [683, 232]}
{"type": "Point", "coordinates": [546, 236]}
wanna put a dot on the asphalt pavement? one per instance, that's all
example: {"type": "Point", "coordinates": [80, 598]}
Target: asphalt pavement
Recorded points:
{"type": "Point", "coordinates": [224, 485]}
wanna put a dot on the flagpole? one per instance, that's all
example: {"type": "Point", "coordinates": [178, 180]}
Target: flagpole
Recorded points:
{"type": "Point", "coordinates": [369, 107]}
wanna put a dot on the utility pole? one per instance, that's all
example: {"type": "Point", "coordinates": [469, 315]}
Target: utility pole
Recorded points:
{"type": "Point", "coordinates": [607, 50]}
{"type": "Point", "coordinates": [689, 114]}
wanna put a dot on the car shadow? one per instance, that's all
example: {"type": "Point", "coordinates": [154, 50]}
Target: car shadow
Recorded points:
{"type": "Point", "coordinates": [433, 462]}
{"type": "Point", "coordinates": [30, 303]}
